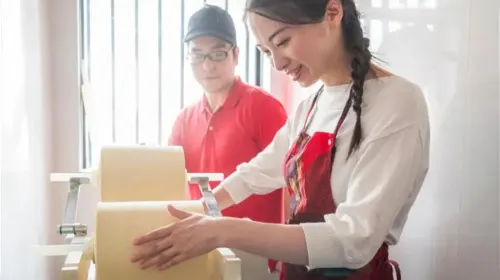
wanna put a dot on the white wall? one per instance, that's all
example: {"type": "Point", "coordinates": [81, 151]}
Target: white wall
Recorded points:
{"type": "Point", "coordinates": [25, 104]}
{"type": "Point", "coordinates": [453, 230]}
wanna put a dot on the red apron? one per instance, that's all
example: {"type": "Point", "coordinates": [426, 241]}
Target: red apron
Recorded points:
{"type": "Point", "coordinates": [307, 169]}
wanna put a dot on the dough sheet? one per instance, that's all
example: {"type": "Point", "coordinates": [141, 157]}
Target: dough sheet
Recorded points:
{"type": "Point", "coordinates": [118, 223]}
{"type": "Point", "coordinates": [142, 173]}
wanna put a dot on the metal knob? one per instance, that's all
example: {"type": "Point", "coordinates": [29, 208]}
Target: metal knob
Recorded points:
{"type": "Point", "coordinates": [75, 229]}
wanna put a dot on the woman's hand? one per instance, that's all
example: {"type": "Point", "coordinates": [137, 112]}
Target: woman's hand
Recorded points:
{"type": "Point", "coordinates": [193, 235]}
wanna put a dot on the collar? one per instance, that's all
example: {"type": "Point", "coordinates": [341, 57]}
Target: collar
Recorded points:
{"type": "Point", "coordinates": [232, 98]}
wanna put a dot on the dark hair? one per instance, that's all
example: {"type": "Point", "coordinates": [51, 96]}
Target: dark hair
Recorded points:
{"type": "Point", "coordinates": [298, 12]}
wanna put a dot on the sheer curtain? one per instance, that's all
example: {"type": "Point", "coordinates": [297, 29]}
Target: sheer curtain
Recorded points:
{"type": "Point", "coordinates": [450, 48]}
{"type": "Point", "coordinates": [24, 140]}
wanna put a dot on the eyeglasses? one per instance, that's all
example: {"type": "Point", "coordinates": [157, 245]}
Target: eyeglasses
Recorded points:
{"type": "Point", "coordinates": [195, 58]}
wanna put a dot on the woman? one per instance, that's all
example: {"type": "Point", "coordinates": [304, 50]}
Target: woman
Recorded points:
{"type": "Point", "coordinates": [373, 123]}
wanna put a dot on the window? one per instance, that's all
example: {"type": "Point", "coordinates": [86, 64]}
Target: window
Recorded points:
{"type": "Point", "coordinates": [383, 17]}
{"type": "Point", "coordinates": [133, 72]}
{"type": "Point", "coordinates": [401, 32]}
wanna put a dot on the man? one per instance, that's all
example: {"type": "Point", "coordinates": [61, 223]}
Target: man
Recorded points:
{"type": "Point", "coordinates": [230, 125]}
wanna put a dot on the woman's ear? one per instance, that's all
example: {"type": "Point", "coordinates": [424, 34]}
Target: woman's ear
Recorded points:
{"type": "Point", "coordinates": [334, 12]}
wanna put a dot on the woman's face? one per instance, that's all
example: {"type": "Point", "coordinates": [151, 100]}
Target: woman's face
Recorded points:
{"type": "Point", "coordinates": [304, 52]}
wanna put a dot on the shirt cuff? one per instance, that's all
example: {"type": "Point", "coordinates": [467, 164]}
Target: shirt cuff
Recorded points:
{"type": "Point", "coordinates": [323, 248]}
{"type": "Point", "coordinates": [236, 188]}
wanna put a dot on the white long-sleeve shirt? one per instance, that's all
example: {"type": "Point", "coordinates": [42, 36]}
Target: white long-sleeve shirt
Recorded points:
{"type": "Point", "coordinates": [374, 189]}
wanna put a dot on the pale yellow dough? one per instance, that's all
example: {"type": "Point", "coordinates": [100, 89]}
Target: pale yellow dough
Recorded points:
{"type": "Point", "coordinates": [118, 223]}
{"type": "Point", "coordinates": [141, 173]}
{"type": "Point", "coordinates": [137, 183]}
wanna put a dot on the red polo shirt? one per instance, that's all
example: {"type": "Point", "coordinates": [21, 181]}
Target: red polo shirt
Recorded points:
{"type": "Point", "coordinates": [235, 133]}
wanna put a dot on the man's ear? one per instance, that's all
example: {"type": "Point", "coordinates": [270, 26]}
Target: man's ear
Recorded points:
{"type": "Point", "coordinates": [236, 54]}
{"type": "Point", "coordinates": [334, 12]}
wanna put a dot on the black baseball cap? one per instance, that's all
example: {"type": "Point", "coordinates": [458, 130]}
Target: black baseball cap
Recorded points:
{"type": "Point", "coordinates": [211, 21]}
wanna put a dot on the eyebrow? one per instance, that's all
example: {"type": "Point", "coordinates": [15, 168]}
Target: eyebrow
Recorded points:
{"type": "Point", "coordinates": [276, 33]}
{"type": "Point", "coordinates": [217, 46]}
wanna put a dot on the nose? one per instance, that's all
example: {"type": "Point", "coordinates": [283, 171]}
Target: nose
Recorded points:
{"type": "Point", "coordinates": [208, 65]}
{"type": "Point", "coordinates": [279, 62]}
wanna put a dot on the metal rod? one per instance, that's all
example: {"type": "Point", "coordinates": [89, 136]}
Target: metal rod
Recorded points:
{"type": "Point", "coordinates": [75, 229]}
{"type": "Point", "coordinates": [88, 149]}
{"type": "Point", "coordinates": [71, 201]}
{"type": "Point", "coordinates": [113, 72]}
{"type": "Point", "coordinates": [137, 69]}
{"type": "Point", "coordinates": [87, 49]}
{"type": "Point", "coordinates": [183, 15]}
{"type": "Point", "coordinates": [258, 68]}
{"type": "Point", "coordinates": [84, 56]}
{"type": "Point", "coordinates": [85, 134]}
{"type": "Point", "coordinates": [160, 70]}
{"type": "Point", "coordinates": [247, 54]}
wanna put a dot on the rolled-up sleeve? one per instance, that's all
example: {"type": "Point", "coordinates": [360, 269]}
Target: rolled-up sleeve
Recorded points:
{"type": "Point", "coordinates": [264, 173]}
{"type": "Point", "coordinates": [381, 183]}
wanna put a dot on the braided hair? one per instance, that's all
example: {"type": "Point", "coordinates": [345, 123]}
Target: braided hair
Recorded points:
{"type": "Point", "coordinates": [357, 46]}
{"type": "Point", "coordinates": [298, 12]}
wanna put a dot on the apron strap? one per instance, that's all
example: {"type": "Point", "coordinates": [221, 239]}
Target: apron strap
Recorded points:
{"type": "Point", "coordinates": [309, 111]}
{"type": "Point", "coordinates": [343, 116]}
{"type": "Point", "coordinates": [396, 269]}
{"type": "Point", "coordinates": [341, 120]}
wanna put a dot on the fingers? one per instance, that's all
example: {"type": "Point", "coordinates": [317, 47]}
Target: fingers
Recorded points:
{"type": "Point", "coordinates": [178, 258]}
{"type": "Point", "coordinates": [179, 214]}
{"type": "Point", "coordinates": [164, 231]}
{"type": "Point", "coordinates": [151, 250]}
{"type": "Point", "coordinates": [161, 259]}
{"type": "Point", "coordinates": [156, 248]}
{"type": "Point", "coordinates": [153, 235]}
